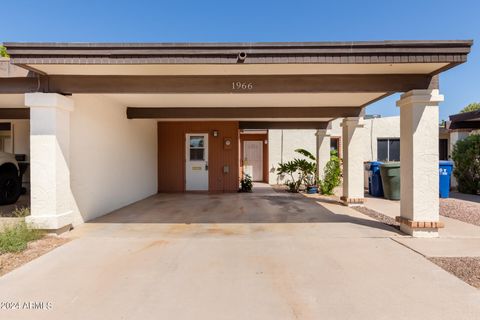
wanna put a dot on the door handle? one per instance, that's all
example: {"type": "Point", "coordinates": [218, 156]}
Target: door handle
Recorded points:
{"type": "Point", "coordinates": [206, 166]}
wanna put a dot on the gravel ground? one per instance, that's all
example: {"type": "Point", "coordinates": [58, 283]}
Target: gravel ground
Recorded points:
{"type": "Point", "coordinates": [465, 268]}
{"type": "Point", "coordinates": [10, 261]}
{"type": "Point", "coordinates": [465, 211]}
{"type": "Point", "coordinates": [378, 216]}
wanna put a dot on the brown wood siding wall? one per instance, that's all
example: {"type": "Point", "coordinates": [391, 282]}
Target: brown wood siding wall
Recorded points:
{"type": "Point", "coordinates": [255, 137]}
{"type": "Point", "coordinates": [171, 155]}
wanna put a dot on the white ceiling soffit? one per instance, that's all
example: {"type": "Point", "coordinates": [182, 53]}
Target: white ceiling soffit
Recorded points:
{"type": "Point", "coordinates": [12, 100]}
{"type": "Point", "coordinates": [246, 100]}
{"type": "Point", "coordinates": [238, 69]}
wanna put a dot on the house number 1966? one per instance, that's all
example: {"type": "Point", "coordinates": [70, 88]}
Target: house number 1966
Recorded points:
{"type": "Point", "coordinates": [237, 85]}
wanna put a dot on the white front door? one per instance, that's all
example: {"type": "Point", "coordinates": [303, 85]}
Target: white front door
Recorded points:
{"type": "Point", "coordinates": [196, 164]}
{"type": "Point", "coordinates": [253, 159]}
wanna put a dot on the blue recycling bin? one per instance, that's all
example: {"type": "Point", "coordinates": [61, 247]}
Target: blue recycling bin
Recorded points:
{"type": "Point", "coordinates": [445, 173]}
{"type": "Point", "coordinates": [375, 187]}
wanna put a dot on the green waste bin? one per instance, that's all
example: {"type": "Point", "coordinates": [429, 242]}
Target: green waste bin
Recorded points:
{"type": "Point", "coordinates": [390, 173]}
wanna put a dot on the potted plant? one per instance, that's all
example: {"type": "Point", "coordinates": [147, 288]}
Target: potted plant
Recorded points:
{"type": "Point", "coordinates": [308, 171]}
{"type": "Point", "coordinates": [246, 183]}
{"type": "Point", "coordinates": [311, 184]}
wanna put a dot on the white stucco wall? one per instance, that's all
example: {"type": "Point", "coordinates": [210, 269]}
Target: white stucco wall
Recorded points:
{"type": "Point", "coordinates": [388, 127]}
{"type": "Point", "coordinates": [113, 160]}
{"type": "Point", "coordinates": [282, 149]}
{"type": "Point", "coordinates": [334, 128]}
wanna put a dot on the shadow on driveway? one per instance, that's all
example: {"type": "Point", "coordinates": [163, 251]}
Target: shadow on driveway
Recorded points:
{"type": "Point", "coordinates": [262, 207]}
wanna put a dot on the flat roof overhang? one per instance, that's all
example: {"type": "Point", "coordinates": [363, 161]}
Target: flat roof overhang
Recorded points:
{"type": "Point", "coordinates": [276, 58]}
{"type": "Point", "coordinates": [282, 75]}
{"type": "Point", "coordinates": [466, 120]}
{"type": "Point", "coordinates": [360, 52]}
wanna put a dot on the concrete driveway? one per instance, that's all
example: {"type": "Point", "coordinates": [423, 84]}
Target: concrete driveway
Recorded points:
{"type": "Point", "coordinates": [265, 255]}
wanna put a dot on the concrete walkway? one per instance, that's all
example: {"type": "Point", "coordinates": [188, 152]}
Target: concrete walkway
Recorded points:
{"type": "Point", "coordinates": [457, 239]}
{"type": "Point", "coordinates": [265, 255]}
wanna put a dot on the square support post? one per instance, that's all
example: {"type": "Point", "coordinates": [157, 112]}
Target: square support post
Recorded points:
{"type": "Point", "coordinates": [51, 207]}
{"type": "Point", "coordinates": [353, 147]}
{"type": "Point", "coordinates": [323, 151]}
{"type": "Point", "coordinates": [419, 194]}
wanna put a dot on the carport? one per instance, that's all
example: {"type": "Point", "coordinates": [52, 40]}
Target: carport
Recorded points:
{"type": "Point", "coordinates": [108, 100]}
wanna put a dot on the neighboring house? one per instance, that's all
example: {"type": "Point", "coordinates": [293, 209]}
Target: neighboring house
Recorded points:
{"type": "Point", "coordinates": [111, 124]}
{"type": "Point", "coordinates": [460, 126]}
{"type": "Point", "coordinates": [468, 122]}
{"type": "Point", "coordinates": [381, 142]}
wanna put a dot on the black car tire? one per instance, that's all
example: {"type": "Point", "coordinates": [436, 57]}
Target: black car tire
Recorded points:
{"type": "Point", "coordinates": [10, 187]}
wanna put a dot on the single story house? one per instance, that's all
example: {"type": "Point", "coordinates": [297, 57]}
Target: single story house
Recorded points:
{"type": "Point", "coordinates": [113, 123]}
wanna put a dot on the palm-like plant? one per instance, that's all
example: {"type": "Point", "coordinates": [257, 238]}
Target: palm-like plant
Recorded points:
{"type": "Point", "coordinates": [303, 168]}
{"type": "Point", "coordinates": [306, 154]}
{"type": "Point", "coordinates": [290, 168]}
{"type": "Point", "coordinates": [307, 168]}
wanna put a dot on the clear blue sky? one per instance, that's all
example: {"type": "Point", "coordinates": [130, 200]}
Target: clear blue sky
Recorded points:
{"type": "Point", "coordinates": [248, 21]}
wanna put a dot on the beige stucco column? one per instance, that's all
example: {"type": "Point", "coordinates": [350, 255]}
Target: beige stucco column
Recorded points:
{"type": "Point", "coordinates": [353, 137]}
{"type": "Point", "coordinates": [419, 202]}
{"type": "Point", "coordinates": [323, 150]}
{"type": "Point", "coordinates": [51, 208]}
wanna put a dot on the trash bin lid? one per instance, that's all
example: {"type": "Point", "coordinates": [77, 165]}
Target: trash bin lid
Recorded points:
{"type": "Point", "coordinates": [445, 163]}
{"type": "Point", "coordinates": [374, 164]}
{"type": "Point", "coordinates": [391, 165]}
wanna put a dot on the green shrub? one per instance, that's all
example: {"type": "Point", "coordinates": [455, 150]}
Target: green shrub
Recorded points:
{"type": "Point", "coordinates": [3, 51]}
{"type": "Point", "coordinates": [466, 155]}
{"type": "Point", "coordinates": [15, 238]}
{"type": "Point", "coordinates": [21, 212]}
{"type": "Point", "coordinates": [307, 171]}
{"type": "Point", "coordinates": [246, 183]}
{"type": "Point", "coordinates": [331, 175]}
